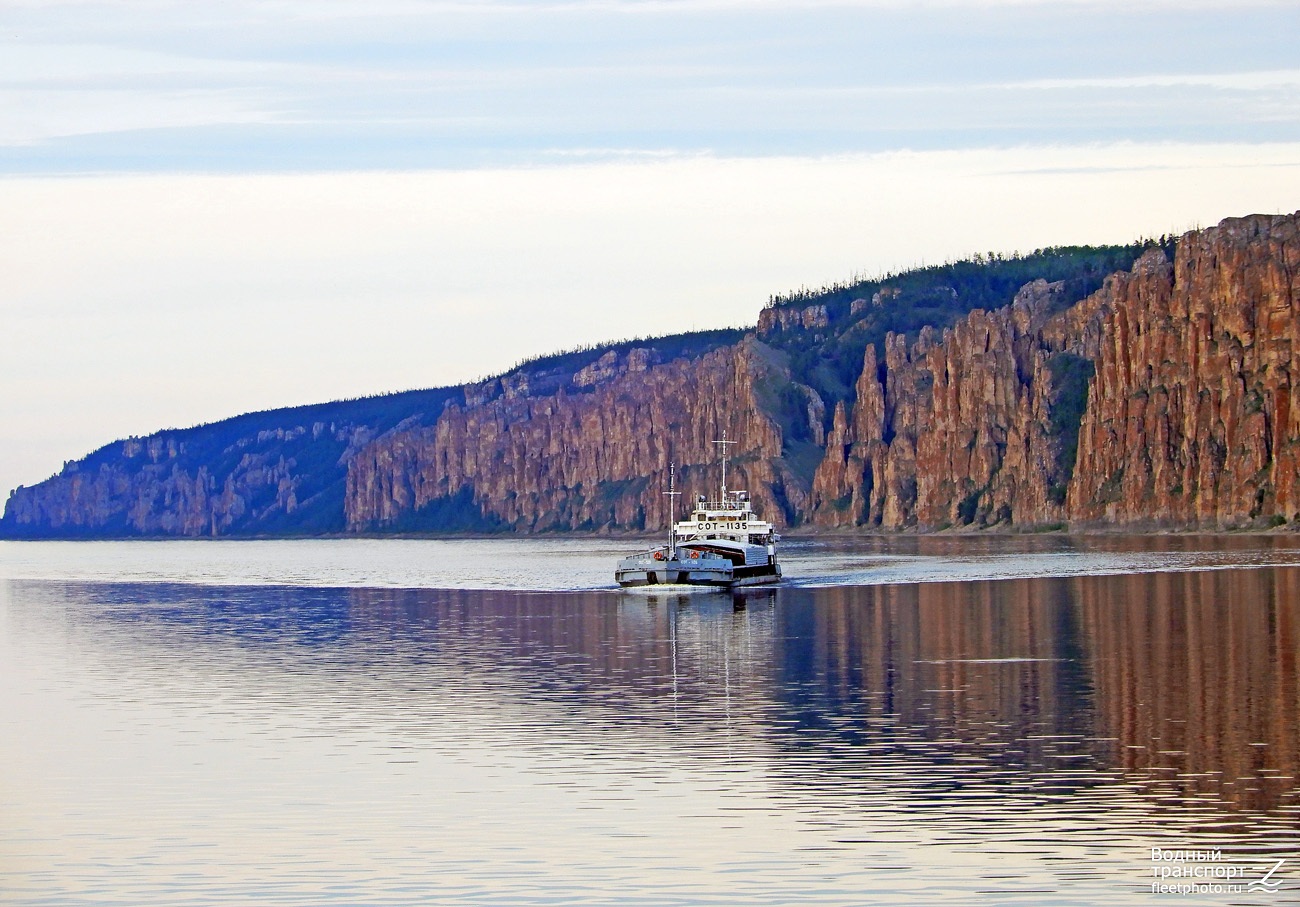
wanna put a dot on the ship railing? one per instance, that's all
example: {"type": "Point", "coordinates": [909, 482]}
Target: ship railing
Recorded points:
{"type": "Point", "coordinates": [723, 507]}
{"type": "Point", "coordinates": [728, 504]}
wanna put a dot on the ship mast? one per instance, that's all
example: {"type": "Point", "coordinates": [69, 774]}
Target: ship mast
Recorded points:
{"type": "Point", "coordinates": [672, 493]}
{"type": "Point", "coordinates": [724, 442]}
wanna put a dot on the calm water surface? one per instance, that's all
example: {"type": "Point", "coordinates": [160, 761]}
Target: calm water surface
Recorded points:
{"type": "Point", "coordinates": [908, 721]}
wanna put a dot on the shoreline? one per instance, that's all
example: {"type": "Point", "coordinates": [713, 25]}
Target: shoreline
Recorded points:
{"type": "Point", "coordinates": [798, 534]}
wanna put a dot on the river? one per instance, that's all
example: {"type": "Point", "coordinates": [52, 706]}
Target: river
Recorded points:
{"type": "Point", "coordinates": [912, 720]}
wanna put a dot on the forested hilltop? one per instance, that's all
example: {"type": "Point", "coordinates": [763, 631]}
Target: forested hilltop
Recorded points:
{"type": "Point", "coordinates": [1147, 384]}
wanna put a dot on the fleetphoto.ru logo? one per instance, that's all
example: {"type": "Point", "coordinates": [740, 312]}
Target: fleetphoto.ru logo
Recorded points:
{"type": "Point", "coordinates": [1207, 872]}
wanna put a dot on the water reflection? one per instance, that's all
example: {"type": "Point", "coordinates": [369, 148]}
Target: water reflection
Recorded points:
{"type": "Point", "coordinates": [972, 736]}
{"type": "Point", "coordinates": [1186, 682]}
{"type": "Point", "coordinates": [1196, 678]}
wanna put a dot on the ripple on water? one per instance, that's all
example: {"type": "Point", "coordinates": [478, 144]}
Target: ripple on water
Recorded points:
{"type": "Point", "coordinates": [1023, 741]}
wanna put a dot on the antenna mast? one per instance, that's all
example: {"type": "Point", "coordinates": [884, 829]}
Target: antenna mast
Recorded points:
{"type": "Point", "coordinates": [724, 442]}
{"type": "Point", "coordinates": [672, 493]}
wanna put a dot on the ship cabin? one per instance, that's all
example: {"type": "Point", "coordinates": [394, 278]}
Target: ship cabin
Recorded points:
{"type": "Point", "coordinates": [729, 520]}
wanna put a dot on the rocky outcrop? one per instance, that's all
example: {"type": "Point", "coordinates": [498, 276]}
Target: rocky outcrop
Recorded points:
{"type": "Point", "coordinates": [844, 487]}
{"type": "Point", "coordinates": [277, 472]}
{"type": "Point", "coordinates": [589, 460]}
{"type": "Point", "coordinates": [1165, 398]}
{"type": "Point", "coordinates": [1186, 370]}
{"type": "Point", "coordinates": [783, 318]}
{"type": "Point", "coordinates": [157, 486]}
{"type": "Point", "coordinates": [1194, 415]}
{"type": "Point", "coordinates": [956, 428]}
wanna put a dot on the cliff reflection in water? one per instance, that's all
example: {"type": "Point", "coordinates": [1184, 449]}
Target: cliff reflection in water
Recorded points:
{"type": "Point", "coordinates": [1177, 685]}
{"type": "Point", "coordinates": [1196, 677]}
{"type": "Point", "coordinates": [1180, 688]}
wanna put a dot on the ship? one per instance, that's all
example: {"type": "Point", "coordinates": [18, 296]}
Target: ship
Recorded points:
{"type": "Point", "coordinates": [721, 543]}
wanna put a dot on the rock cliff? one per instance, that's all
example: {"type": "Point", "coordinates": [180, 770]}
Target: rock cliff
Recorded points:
{"type": "Point", "coordinates": [954, 429]}
{"type": "Point", "coordinates": [591, 459]}
{"type": "Point", "coordinates": [1193, 416]}
{"type": "Point", "coordinates": [1173, 383]}
{"type": "Point", "coordinates": [273, 473]}
{"type": "Point", "coordinates": [1161, 396]}
{"type": "Point", "coordinates": [974, 426]}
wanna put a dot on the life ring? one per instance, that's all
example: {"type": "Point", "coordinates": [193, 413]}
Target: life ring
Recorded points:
{"type": "Point", "coordinates": [695, 555]}
{"type": "Point", "coordinates": [659, 555]}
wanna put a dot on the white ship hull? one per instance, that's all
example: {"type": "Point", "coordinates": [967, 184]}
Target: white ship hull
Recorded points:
{"type": "Point", "coordinates": [647, 570]}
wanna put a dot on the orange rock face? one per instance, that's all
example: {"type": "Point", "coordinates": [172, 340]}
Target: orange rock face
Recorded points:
{"type": "Point", "coordinates": [1173, 383]}
{"type": "Point", "coordinates": [1166, 398]}
{"type": "Point", "coordinates": [958, 433]}
{"type": "Point", "coordinates": [593, 459]}
{"type": "Point", "coordinates": [1192, 418]}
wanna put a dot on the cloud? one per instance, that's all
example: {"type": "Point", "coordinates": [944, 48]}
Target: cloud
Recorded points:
{"type": "Point", "coordinates": [396, 85]}
{"type": "Point", "coordinates": [33, 117]}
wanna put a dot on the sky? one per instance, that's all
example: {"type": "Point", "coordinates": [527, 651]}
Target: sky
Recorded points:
{"type": "Point", "coordinates": [207, 209]}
